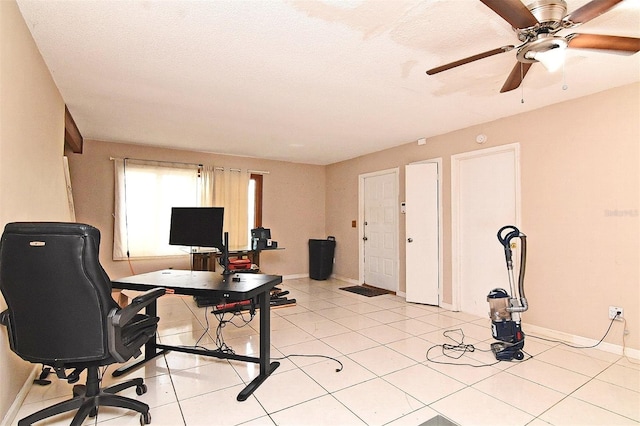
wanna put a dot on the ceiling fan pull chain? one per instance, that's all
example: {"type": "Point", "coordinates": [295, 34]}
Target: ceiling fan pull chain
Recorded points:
{"type": "Point", "coordinates": [521, 85]}
{"type": "Point", "coordinates": [564, 77]}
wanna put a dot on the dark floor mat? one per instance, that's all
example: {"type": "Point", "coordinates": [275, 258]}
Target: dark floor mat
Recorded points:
{"type": "Point", "coordinates": [366, 291]}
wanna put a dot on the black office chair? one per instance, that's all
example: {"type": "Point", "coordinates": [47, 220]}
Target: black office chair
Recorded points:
{"type": "Point", "coordinates": [61, 313]}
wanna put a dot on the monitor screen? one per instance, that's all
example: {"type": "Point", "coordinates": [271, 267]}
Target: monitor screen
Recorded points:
{"type": "Point", "coordinates": [197, 227]}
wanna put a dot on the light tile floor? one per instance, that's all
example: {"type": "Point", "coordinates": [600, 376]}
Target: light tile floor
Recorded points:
{"type": "Point", "coordinates": [382, 342]}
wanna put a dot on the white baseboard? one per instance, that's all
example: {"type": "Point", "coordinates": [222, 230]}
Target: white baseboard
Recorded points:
{"type": "Point", "coordinates": [294, 276]}
{"type": "Point", "coordinates": [347, 280]}
{"type": "Point", "coordinates": [447, 306]}
{"type": "Point", "coordinates": [20, 397]}
{"type": "Point", "coordinates": [532, 329]}
{"type": "Point", "coordinates": [570, 338]}
{"type": "Point", "coordinates": [580, 341]}
{"type": "Point", "coordinates": [336, 277]}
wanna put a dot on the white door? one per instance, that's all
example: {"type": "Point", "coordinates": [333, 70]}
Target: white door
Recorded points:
{"type": "Point", "coordinates": [485, 197]}
{"type": "Point", "coordinates": [422, 233]}
{"type": "Point", "coordinates": [380, 230]}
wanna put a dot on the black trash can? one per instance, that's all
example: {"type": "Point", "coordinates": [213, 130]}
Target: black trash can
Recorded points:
{"type": "Point", "coordinates": [321, 258]}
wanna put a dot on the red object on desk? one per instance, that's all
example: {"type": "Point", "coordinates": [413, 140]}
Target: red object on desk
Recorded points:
{"type": "Point", "coordinates": [235, 264]}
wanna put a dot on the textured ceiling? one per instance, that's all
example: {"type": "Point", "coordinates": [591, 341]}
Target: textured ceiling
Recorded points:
{"type": "Point", "coordinates": [305, 81]}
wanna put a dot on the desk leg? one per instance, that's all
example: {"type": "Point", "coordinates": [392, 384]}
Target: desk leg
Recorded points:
{"type": "Point", "coordinates": [266, 366]}
{"type": "Point", "coordinates": [150, 349]}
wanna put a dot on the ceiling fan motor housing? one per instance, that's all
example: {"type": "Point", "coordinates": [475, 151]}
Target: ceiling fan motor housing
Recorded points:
{"type": "Point", "coordinates": [549, 14]}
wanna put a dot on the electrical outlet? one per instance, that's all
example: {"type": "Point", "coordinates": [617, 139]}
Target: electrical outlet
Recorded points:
{"type": "Point", "coordinates": [613, 310]}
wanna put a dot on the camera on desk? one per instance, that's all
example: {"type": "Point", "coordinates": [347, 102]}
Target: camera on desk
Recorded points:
{"type": "Point", "coordinates": [261, 239]}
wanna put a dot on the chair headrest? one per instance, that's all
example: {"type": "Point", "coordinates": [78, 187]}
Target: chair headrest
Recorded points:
{"type": "Point", "coordinates": [53, 228]}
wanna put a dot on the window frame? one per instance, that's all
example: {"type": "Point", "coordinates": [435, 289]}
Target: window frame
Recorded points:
{"type": "Point", "coordinates": [258, 197]}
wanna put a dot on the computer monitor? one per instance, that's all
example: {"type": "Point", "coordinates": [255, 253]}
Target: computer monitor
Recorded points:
{"type": "Point", "coordinates": [197, 227]}
{"type": "Point", "coordinates": [200, 227]}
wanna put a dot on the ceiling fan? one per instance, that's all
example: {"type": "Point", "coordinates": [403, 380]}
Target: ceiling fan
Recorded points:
{"type": "Point", "coordinates": [537, 25]}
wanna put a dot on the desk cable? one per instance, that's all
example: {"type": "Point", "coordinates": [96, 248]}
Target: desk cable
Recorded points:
{"type": "Point", "coordinates": [222, 323]}
{"type": "Point", "coordinates": [221, 346]}
{"type": "Point", "coordinates": [312, 356]}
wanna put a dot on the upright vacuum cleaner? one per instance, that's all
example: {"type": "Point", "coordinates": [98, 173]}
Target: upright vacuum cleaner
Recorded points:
{"type": "Point", "coordinates": [505, 309]}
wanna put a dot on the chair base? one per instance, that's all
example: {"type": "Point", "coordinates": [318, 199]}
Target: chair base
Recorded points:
{"type": "Point", "coordinates": [87, 398]}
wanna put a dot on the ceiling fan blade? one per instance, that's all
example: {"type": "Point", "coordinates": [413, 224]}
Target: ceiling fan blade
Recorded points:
{"type": "Point", "coordinates": [589, 11]}
{"type": "Point", "coordinates": [469, 59]}
{"type": "Point", "coordinates": [629, 45]}
{"type": "Point", "coordinates": [517, 75]}
{"type": "Point", "coordinates": [512, 11]}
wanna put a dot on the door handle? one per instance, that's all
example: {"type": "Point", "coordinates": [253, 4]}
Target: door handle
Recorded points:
{"type": "Point", "coordinates": [409, 240]}
{"type": "Point", "coordinates": [364, 238]}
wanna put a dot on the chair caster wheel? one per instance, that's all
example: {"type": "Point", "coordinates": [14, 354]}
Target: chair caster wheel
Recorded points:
{"type": "Point", "coordinates": [145, 418]}
{"type": "Point", "coordinates": [519, 356]}
{"type": "Point", "coordinates": [141, 389]}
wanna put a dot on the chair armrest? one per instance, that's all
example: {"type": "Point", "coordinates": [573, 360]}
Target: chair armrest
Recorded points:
{"type": "Point", "coordinates": [148, 295]}
{"type": "Point", "coordinates": [119, 319]}
{"type": "Point", "coordinates": [4, 318]}
{"type": "Point", "coordinates": [126, 314]}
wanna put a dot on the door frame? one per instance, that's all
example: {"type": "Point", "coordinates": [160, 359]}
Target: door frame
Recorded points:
{"type": "Point", "coordinates": [455, 205]}
{"type": "Point", "coordinates": [438, 162]}
{"type": "Point", "coordinates": [361, 178]}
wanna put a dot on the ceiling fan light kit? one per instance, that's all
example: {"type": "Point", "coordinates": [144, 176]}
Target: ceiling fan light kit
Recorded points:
{"type": "Point", "coordinates": [548, 49]}
{"type": "Point", "coordinates": [536, 26]}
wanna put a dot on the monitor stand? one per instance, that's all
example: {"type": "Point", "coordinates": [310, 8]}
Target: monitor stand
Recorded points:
{"type": "Point", "coordinates": [224, 258]}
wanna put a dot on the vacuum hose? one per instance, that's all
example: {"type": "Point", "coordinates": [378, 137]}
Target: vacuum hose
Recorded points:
{"type": "Point", "coordinates": [523, 260]}
{"type": "Point", "coordinates": [505, 240]}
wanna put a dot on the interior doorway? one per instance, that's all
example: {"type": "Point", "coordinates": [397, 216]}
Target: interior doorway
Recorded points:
{"type": "Point", "coordinates": [423, 234]}
{"type": "Point", "coordinates": [378, 205]}
{"type": "Point", "coordinates": [485, 196]}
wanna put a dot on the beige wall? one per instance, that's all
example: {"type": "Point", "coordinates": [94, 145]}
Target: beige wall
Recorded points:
{"type": "Point", "coordinates": [293, 205]}
{"type": "Point", "coordinates": [32, 183]}
{"type": "Point", "coordinates": [580, 162]}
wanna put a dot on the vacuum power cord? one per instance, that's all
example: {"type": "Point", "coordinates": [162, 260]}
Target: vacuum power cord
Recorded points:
{"type": "Point", "coordinates": [574, 346]}
{"type": "Point", "coordinates": [457, 350]}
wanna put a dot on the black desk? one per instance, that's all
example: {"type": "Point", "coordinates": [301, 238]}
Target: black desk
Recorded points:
{"type": "Point", "coordinates": [206, 283]}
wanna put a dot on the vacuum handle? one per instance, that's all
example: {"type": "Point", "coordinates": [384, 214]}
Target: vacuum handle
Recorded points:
{"type": "Point", "coordinates": [505, 240]}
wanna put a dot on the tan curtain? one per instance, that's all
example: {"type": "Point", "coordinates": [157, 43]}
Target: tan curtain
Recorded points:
{"type": "Point", "coordinates": [231, 192]}
{"type": "Point", "coordinates": [120, 248]}
{"type": "Point", "coordinates": [207, 186]}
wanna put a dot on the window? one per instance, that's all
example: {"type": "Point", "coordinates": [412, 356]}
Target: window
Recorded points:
{"type": "Point", "coordinates": [145, 193]}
